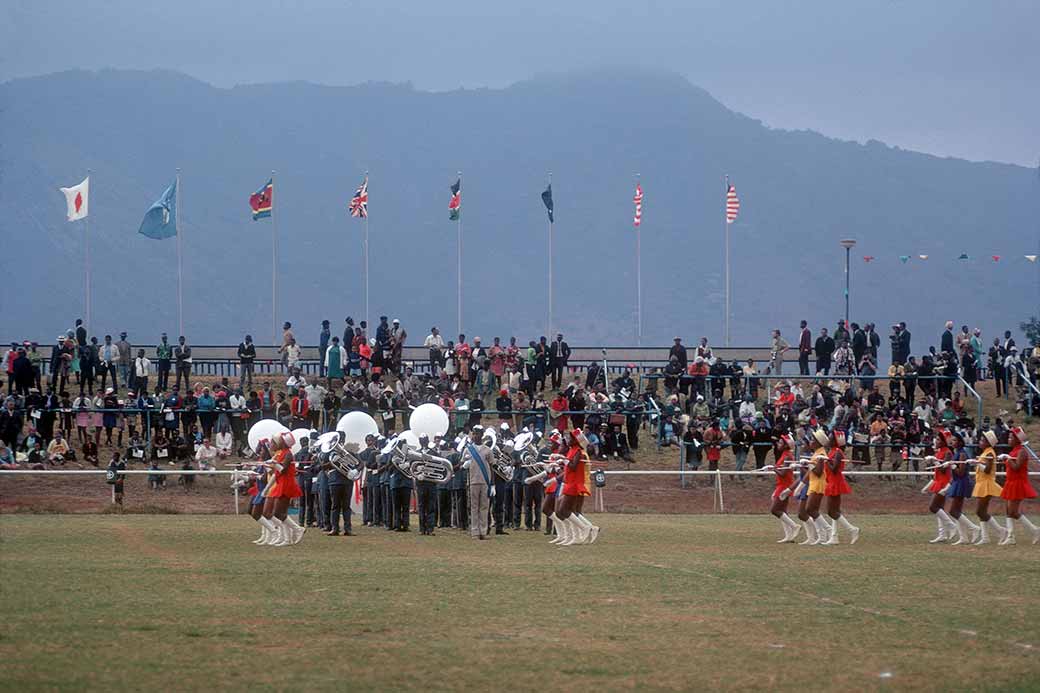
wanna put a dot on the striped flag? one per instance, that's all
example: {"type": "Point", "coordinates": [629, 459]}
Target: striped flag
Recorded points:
{"type": "Point", "coordinates": [359, 203]}
{"type": "Point", "coordinates": [638, 199]}
{"type": "Point", "coordinates": [260, 202]}
{"type": "Point", "coordinates": [732, 203]}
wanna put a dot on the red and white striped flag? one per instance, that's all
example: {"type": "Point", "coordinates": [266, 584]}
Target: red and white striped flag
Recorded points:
{"type": "Point", "coordinates": [732, 203]}
{"type": "Point", "coordinates": [638, 199]}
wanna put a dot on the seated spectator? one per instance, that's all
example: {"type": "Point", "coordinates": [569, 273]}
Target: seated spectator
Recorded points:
{"type": "Point", "coordinates": [135, 451]}
{"type": "Point", "coordinates": [7, 458]}
{"type": "Point", "coordinates": [58, 452]}
{"type": "Point", "coordinates": [205, 455]}
{"type": "Point", "coordinates": [90, 452]}
{"type": "Point", "coordinates": [693, 443]}
{"type": "Point", "coordinates": [224, 443]}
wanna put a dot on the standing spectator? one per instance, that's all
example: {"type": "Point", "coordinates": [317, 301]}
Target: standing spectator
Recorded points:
{"type": "Point", "coordinates": [804, 348]}
{"type": "Point", "coordinates": [434, 343]}
{"type": "Point", "coordinates": [142, 366]}
{"type": "Point", "coordinates": [859, 343]}
{"type": "Point", "coordinates": [996, 366]}
{"type": "Point", "coordinates": [291, 356]}
{"type": "Point", "coordinates": [23, 373]}
{"type": "Point", "coordinates": [334, 360]}
{"type": "Point", "coordinates": [126, 361]}
{"type": "Point", "coordinates": [559, 354]}
{"type": "Point", "coordinates": [873, 341]}
{"type": "Point", "coordinates": [324, 337]}
{"type": "Point", "coordinates": [704, 350]}
{"type": "Point", "coordinates": [824, 350]}
{"type": "Point", "coordinates": [182, 359]}
{"type": "Point", "coordinates": [164, 356]}
{"type": "Point", "coordinates": [36, 361]}
{"type": "Point", "coordinates": [946, 341]}
{"type": "Point", "coordinates": [108, 361]}
{"type": "Point", "coordinates": [10, 424]}
{"type": "Point", "coordinates": [977, 351]}
{"type": "Point", "coordinates": [87, 361]}
{"type": "Point", "coordinates": [287, 339]}
{"type": "Point", "coordinates": [246, 359]}
{"type": "Point", "coordinates": [9, 358]}
{"type": "Point", "coordinates": [904, 342]}
{"type": "Point", "coordinates": [679, 352]}
{"type": "Point", "coordinates": [206, 406]}
{"type": "Point", "coordinates": [776, 357]}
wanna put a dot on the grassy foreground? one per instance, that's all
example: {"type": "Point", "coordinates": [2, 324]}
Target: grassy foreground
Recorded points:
{"type": "Point", "coordinates": [667, 602]}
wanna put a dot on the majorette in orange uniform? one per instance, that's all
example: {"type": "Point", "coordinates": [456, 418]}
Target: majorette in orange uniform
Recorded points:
{"type": "Point", "coordinates": [836, 487]}
{"type": "Point", "coordinates": [1017, 487]}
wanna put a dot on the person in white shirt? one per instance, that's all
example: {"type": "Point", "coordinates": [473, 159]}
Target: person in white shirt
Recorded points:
{"type": "Point", "coordinates": [292, 354]}
{"type": "Point", "coordinates": [315, 399]}
{"type": "Point", "coordinates": [142, 367]}
{"type": "Point", "coordinates": [205, 455]}
{"type": "Point", "coordinates": [748, 411]}
{"type": "Point", "coordinates": [224, 442]}
{"type": "Point", "coordinates": [435, 343]}
{"type": "Point", "coordinates": [296, 380]}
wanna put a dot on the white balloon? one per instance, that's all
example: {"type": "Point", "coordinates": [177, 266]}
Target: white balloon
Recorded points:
{"type": "Point", "coordinates": [356, 425]}
{"type": "Point", "coordinates": [299, 434]}
{"type": "Point", "coordinates": [429, 420]}
{"type": "Point", "coordinates": [264, 430]}
{"type": "Point", "coordinates": [411, 438]}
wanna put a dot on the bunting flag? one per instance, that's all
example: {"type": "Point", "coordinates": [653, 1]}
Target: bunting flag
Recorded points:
{"type": "Point", "coordinates": [77, 200]}
{"type": "Point", "coordinates": [359, 203]}
{"type": "Point", "coordinates": [732, 203]}
{"type": "Point", "coordinates": [262, 200]}
{"type": "Point", "coordinates": [1031, 258]}
{"type": "Point", "coordinates": [160, 221]}
{"type": "Point", "coordinates": [638, 199]}
{"type": "Point", "coordinates": [548, 202]}
{"type": "Point", "coordinates": [996, 258]}
{"type": "Point", "coordinates": [923, 257]}
{"type": "Point", "coordinates": [904, 258]}
{"type": "Point", "coordinates": [455, 205]}
{"type": "Point", "coordinates": [868, 258]}
{"type": "Point", "coordinates": [963, 256]}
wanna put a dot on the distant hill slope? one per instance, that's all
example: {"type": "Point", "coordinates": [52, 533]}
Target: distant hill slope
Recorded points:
{"type": "Point", "coordinates": [801, 193]}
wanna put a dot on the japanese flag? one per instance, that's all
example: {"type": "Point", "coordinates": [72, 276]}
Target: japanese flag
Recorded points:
{"type": "Point", "coordinates": [76, 198]}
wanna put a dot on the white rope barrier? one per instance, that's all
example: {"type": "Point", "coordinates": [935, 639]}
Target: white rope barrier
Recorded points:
{"type": "Point", "coordinates": [197, 472]}
{"type": "Point", "coordinates": [618, 472]}
{"type": "Point", "coordinates": [633, 472]}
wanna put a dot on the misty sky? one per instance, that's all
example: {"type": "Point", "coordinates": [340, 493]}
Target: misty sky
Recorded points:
{"type": "Point", "coordinates": [950, 77]}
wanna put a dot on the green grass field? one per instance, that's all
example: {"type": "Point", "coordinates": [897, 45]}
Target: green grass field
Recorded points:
{"type": "Point", "coordinates": [665, 602]}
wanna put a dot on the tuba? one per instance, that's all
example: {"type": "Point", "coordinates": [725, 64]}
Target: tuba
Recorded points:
{"type": "Point", "coordinates": [526, 445]}
{"type": "Point", "coordinates": [418, 464]}
{"type": "Point", "coordinates": [501, 461]}
{"type": "Point", "coordinates": [334, 451]}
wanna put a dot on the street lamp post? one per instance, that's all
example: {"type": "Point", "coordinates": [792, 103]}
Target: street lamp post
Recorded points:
{"type": "Point", "coordinates": [847, 244]}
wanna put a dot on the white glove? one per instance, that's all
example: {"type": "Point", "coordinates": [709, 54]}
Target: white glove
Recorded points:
{"type": "Point", "coordinates": [927, 488]}
{"type": "Point", "coordinates": [785, 494]}
{"type": "Point", "coordinates": [492, 494]}
{"type": "Point", "coordinates": [280, 467]}
{"type": "Point", "coordinates": [944, 489]}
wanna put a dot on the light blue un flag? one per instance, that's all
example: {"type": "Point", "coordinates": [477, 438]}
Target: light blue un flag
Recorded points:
{"type": "Point", "coordinates": [160, 221]}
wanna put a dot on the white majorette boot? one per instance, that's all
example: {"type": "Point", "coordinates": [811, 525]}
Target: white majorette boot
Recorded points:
{"type": "Point", "coordinates": [272, 532]}
{"type": "Point", "coordinates": [263, 534]}
{"type": "Point", "coordinates": [823, 531]}
{"type": "Point", "coordinates": [296, 532]}
{"type": "Point", "coordinates": [810, 532]}
{"type": "Point", "coordinates": [791, 529]}
{"type": "Point", "coordinates": [591, 531]}
{"type": "Point", "coordinates": [558, 528]}
{"type": "Point", "coordinates": [1031, 527]}
{"type": "Point", "coordinates": [943, 533]}
{"type": "Point", "coordinates": [284, 533]}
{"type": "Point", "coordinates": [1009, 536]}
{"type": "Point", "coordinates": [852, 529]}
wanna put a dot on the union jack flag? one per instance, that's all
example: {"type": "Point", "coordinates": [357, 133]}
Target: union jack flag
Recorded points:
{"type": "Point", "coordinates": [359, 203]}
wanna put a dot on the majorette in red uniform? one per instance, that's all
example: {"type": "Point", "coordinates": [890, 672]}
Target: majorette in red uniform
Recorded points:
{"type": "Point", "coordinates": [572, 526]}
{"type": "Point", "coordinates": [782, 493]}
{"type": "Point", "coordinates": [941, 477]}
{"type": "Point", "coordinates": [836, 486]}
{"type": "Point", "coordinates": [1017, 487]}
{"type": "Point", "coordinates": [280, 491]}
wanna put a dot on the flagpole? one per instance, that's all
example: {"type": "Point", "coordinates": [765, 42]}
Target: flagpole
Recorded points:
{"type": "Point", "coordinates": [86, 253]}
{"type": "Point", "coordinates": [460, 258]}
{"type": "Point", "coordinates": [177, 232]}
{"type": "Point", "coordinates": [548, 329]}
{"type": "Point", "coordinates": [639, 281]}
{"type": "Point", "coordinates": [274, 267]}
{"type": "Point", "coordinates": [368, 318]}
{"type": "Point", "coordinates": [725, 223]}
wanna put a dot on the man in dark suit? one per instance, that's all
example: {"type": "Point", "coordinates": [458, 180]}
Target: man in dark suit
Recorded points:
{"type": "Point", "coordinates": [559, 353]}
{"type": "Point", "coordinates": [946, 343]}
{"type": "Point", "coordinates": [805, 347]}
{"type": "Point", "coordinates": [824, 349]}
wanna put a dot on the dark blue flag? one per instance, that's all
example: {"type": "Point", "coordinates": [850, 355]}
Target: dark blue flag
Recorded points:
{"type": "Point", "coordinates": [547, 199]}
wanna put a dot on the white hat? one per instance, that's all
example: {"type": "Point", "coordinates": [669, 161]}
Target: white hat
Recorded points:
{"type": "Point", "coordinates": [821, 436]}
{"type": "Point", "coordinates": [991, 437]}
{"type": "Point", "coordinates": [396, 321]}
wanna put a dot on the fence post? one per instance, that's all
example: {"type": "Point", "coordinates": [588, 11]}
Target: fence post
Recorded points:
{"type": "Point", "coordinates": [718, 483]}
{"type": "Point", "coordinates": [682, 465]}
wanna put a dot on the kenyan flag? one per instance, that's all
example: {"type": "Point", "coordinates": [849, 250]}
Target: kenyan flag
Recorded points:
{"type": "Point", "coordinates": [455, 206]}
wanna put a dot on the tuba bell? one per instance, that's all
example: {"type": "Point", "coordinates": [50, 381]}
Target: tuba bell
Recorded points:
{"type": "Point", "coordinates": [418, 464]}
{"type": "Point", "coordinates": [336, 453]}
{"type": "Point", "coordinates": [501, 461]}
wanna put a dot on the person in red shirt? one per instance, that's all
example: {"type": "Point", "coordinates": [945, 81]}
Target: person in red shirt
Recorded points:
{"type": "Point", "coordinates": [559, 405]}
{"type": "Point", "coordinates": [300, 409]}
{"type": "Point", "coordinates": [943, 475]}
{"type": "Point", "coordinates": [784, 481]}
{"type": "Point", "coordinates": [1017, 487]}
{"type": "Point", "coordinates": [576, 528]}
{"type": "Point", "coordinates": [836, 487]}
{"type": "Point", "coordinates": [281, 489]}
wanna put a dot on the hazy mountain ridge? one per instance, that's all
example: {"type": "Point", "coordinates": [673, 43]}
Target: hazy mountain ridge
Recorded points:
{"type": "Point", "coordinates": [594, 130]}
